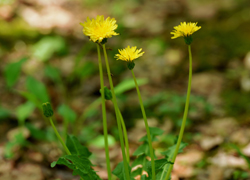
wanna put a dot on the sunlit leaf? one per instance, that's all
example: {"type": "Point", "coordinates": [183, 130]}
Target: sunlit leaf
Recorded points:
{"type": "Point", "coordinates": [98, 142]}
{"type": "Point", "coordinates": [47, 46]}
{"type": "Point", "coordinates": [24, 110]}
{"type": "Point", "coordinates": [30, 97]}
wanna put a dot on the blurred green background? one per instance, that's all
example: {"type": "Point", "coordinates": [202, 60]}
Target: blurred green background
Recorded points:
{"type": "Point", "coordinates": [46, 57]}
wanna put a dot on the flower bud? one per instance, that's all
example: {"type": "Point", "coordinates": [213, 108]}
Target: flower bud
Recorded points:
{"type": "Point", "coordinates": [107, 93]}
{"type": "Point", "coordinates": [47, 110]}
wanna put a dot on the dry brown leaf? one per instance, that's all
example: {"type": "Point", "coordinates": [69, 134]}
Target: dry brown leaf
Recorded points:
{"type": "Point", "coordinates": [13, 132]}
{"type": "Point", "coordinates": [35, 156]}
{"type": "Point", "coordinates": [246, 150]}
{"type": "Point", "coordinates": [228, 161]}
{"type": "Point", "coordinates": [216, 173]}
{"type": "Point", "coordinates": [102, 172]}
{"type": "Point", "coordinates": [190, 157]}
{"type": "Point", "coordinates": [6, 11]}
{"type": "Point", "coordinates": [6, 166]}
{"type": "Point", "coordinates": [184, 163]}
{"type": "Point", "coordinates": [49, 17]}
{"type": "Point", "coordinates": [220, 126]}
{"type": "Point", "coordinates": [241, 136]}
{"type": "Point", "coordinates": [208, 143]}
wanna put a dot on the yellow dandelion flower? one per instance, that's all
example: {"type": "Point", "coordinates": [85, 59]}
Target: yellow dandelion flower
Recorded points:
{"type": "Point", "coordinates": [129, 54]}
{"type": "Point", "coordinates": [184, 29]}
{"type": "Point", "coordinates": [99, 29]}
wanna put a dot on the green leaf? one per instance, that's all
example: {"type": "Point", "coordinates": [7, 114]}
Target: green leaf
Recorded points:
{"type": "Point", "coordinates": [168, 155]}
{"type": "Point", "coordinates": [37, 88]}
{"type": "Point", "coordinates": [87, 69]}
{"type": "Point", "coordinates": [6, 2]}
{"type": "Point", "coordinates": [47, 46]}
{"type": "Point", "coordinates": [31, 97]}
{"type": "Point", "coordinates": [136, 172]}
{"type": "Point", "coordinates": [19, 140]}
{"type": "Point", "coordinates": [35, 132]}
{"type": "Point", "coordinates": [76, 148]}
{"type": "Point", "coordinates": [53, 73]}
{"type": "Point", "coordinates": [80, 166]}
{"type": "Point", "coordinates": [142, 149]}
{"type": "Point", "coordinates": [128, 84]}
{"type": "Point", "coordinates": [144, 177]}
{"type": "Point", "coordinates": [91, 112]}
{"type": "Point", "coordinates": [145, 139]}
{"type": "Point", "coordinates": [98, 142]}
{"type": "Point", "coordinates": [120, 172]}
{"type": "Point", "coordinates": [67, 113]}
{"type": "Point", "coordinates": [170, 151]}
{"type": "Point", "coordinates": [23, 111]}
{"type": "Point", "coordinates": [154, 131]}
{"type": "Point", "coordinates": [139, 161]}
{"type": "Point", "coordinates": [12, 72]}
{"type": "Point", "coordinates": [161, 166]}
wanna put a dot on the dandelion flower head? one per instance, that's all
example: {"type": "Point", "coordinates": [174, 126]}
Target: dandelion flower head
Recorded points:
{"type": "Point", "coordinates": [98, 29]}
{"type": "Point", "coordinates": [184, 29]}
{"type": "Point", "coordinates": [129, 54]}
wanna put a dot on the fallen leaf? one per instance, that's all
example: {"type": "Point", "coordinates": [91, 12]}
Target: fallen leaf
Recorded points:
{"type": "Point", "coordinates": [246, 150]}
{"type": "Point", "coordinates": [228, 161]}
{"type": "Point", "coordinates": [184, 163]}
{"type": "Point", "coordinates": [208, 143]}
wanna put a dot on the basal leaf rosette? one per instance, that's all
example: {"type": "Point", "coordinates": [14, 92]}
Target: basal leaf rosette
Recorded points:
{"type": "Point", "coordinates": [99, 29]}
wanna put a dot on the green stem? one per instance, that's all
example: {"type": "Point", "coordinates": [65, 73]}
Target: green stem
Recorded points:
{"type": "Point", "coordinates": [105, 129]}
{"type": "Point", "coordinates": [65, 128]}
{"type": "Point", "coordinates": [126, 169]}
{"type": "Point", "coordinates": [184, 115]}
{"type": "Point", "coordinates": [144, 162]}
{"type": "Point", "coordinates": [125, 136]}
{"type": "Point", "coordinates": [151, 151]}
{"type": "Point", "coordinates": [59, 137]}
